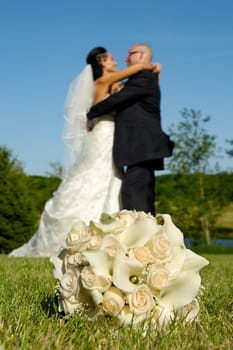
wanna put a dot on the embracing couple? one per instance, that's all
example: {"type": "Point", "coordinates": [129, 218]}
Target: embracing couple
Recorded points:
{"type": "Point", "coordinates": [111, 156]}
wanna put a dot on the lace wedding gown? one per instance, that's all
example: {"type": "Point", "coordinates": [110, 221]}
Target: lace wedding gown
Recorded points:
{"type": "Point", "coordinates": [91, 188]}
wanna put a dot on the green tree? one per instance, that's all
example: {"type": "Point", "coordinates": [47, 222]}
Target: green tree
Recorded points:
{"type": "Point", "coordinates": [56, 170]}
{"type": "Point", "coordinates": [17, 211]}
{"type": "Point", "coordinates": [193, 149]}
{"type": "Point", "coordinates": [230, 151]}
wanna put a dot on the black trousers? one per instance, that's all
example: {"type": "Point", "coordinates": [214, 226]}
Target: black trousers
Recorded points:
{"type": "Point", "coordinates": [138, 187]}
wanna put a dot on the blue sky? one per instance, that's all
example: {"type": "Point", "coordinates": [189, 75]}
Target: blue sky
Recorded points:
{"type": "Point", "coordinates": [44, 45]}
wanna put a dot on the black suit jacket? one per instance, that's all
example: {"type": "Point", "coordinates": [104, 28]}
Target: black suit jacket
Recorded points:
{"type": "Point", "coordinates": [138, 133]}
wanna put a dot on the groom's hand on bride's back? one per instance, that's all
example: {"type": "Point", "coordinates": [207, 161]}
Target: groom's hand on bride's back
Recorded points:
{"type": "Point", "coordinates": [89, 125]}
{"type": "Point", "coordinates": [156, 67]}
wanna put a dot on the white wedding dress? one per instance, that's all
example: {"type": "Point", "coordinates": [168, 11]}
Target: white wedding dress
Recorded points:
{"type": "Point", "coordinates": [91, 188]}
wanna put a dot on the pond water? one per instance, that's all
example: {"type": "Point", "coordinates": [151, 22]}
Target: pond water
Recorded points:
{"type": "Point", "coordinates": [192, 242]}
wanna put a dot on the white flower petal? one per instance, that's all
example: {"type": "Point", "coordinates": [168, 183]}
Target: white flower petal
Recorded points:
{"type": "Point", "coordinates": [140, 232]}
{"type": "Point", "coordinates": [113, 246]}
{"type": "Point", "coordinates": [105, 228]}
{"type": "Point", "coordinates": [174, 234]}
{"type": "Point", "coordinates": [177, 259]}
{"type": "Point", "coordinates": [194, 261]}
{"type": "Point", "coordinates": [100, 262]}
{"type": "Point", "coordinates": [162, 316]}
{"type": "Point", "coordinates": [185, 287]}
{"type": "Point", "coordinates": [188, 312]}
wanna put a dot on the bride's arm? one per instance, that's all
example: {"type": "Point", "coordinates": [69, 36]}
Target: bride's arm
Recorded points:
{"type": "Point", "coordinates": [124, 73]}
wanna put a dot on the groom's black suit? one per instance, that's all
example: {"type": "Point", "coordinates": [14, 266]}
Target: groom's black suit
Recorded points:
{"type": "Point", "coordinates": [139, 142]}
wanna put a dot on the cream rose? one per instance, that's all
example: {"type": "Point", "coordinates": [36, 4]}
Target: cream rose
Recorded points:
{"type": "Point", "coordinates": [77, 302]}
{"type": "Point", "coordinates": [78, 236]}
{"type": "Point", "coordinates": [142, 254]}
{"type": "Point", "coordinates": [69, 284]}
{"type": "Point", "coordinates": [159, 246]}
{"type": "Point", "coordinates": [113, 301]}
{"type": "Point", "coordinates": [90, 281]}
{"type": "Point", "coordinates": [140, 300]}
{"type": "Point", "coordinates": [157, 278]}
{"type": "Point", "coordinates": [69, 305]}
{"type": "Point", "coordinates": [75, 259]}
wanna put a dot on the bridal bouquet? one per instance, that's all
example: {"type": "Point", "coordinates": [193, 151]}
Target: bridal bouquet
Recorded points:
{"type": "Point", "coordinates": [130, 265]}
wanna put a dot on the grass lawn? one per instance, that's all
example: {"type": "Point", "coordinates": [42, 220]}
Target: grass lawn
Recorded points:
{"type": "Point", "coordinates": [28, 319]}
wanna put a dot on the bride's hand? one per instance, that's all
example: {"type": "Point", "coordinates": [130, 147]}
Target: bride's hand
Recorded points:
{"type": "Point", "coordinates": [156, 67]}
{"type": "Point", "coordinates": [89, 125]}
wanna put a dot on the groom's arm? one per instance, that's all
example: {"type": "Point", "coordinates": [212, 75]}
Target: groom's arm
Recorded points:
{"type": "Point", "coordinates": [137, 87]}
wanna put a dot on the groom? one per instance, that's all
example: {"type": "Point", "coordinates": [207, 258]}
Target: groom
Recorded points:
{"type": "Point", "coordinates": [139, 142]}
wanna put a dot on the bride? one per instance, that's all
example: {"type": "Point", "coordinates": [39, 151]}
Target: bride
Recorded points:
{"type": "Point", "coordinates": [91, 183]}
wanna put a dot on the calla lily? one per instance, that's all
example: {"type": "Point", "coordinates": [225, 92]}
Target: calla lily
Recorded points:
{"type": "Point", "coordinates": [113, 246]}
{"type": "Point", "coordinates": [174, 234]}
{"type": "Point", "coordinates": [101, 263]}
{"type": "Point", "coordinates": [107, 218]}
{"type": "Point", "coordinates": [177, 259]}
{"type": "Point", "coordinates": [58, 263]}
{"type": "Point", "coordinates": [104, 228]}
{"type": "Point", "coordinates": [162, 316]}
{"type": "Point", "coordinates": [181, 291]}
{"type": "Point", "coordinates": [194, 261]}
{"type": "Point", "coordinates": [185, 288]}
{"type": "Point", "coordinates": [123, 270]}
{"type": "Point", "coordinates": [140, 232]}
{"type": "Point", "coordinates": [97, 297]}
{"type": "Point", "coordinates": [189, 312]}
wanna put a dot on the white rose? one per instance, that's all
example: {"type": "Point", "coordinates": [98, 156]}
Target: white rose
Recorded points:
{"type": "Point", "coordinates": [77, 236]}
{"type": "Point", "coordinates": [113, 301]}
{"type": "Point", "coordinates": [69, 305]}
{"type": "Point", "coordinates": [157, 278]}
{"type": "Point", "coordinates": [160, 246]}
{"type": "Point", "coordinates": [140, 300]}
{"type": "Point", "coordinates": [69, 284]}
{"type": "Point", "coordinates": [90, 281]}
{"type": "Point", "coordinates": [75, 259]}
{"type": "Point", "coordinates": [78, 302]}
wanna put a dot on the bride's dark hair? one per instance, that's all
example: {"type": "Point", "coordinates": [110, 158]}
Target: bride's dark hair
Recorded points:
{"type": "Point", "coordinates": [94, 58]}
